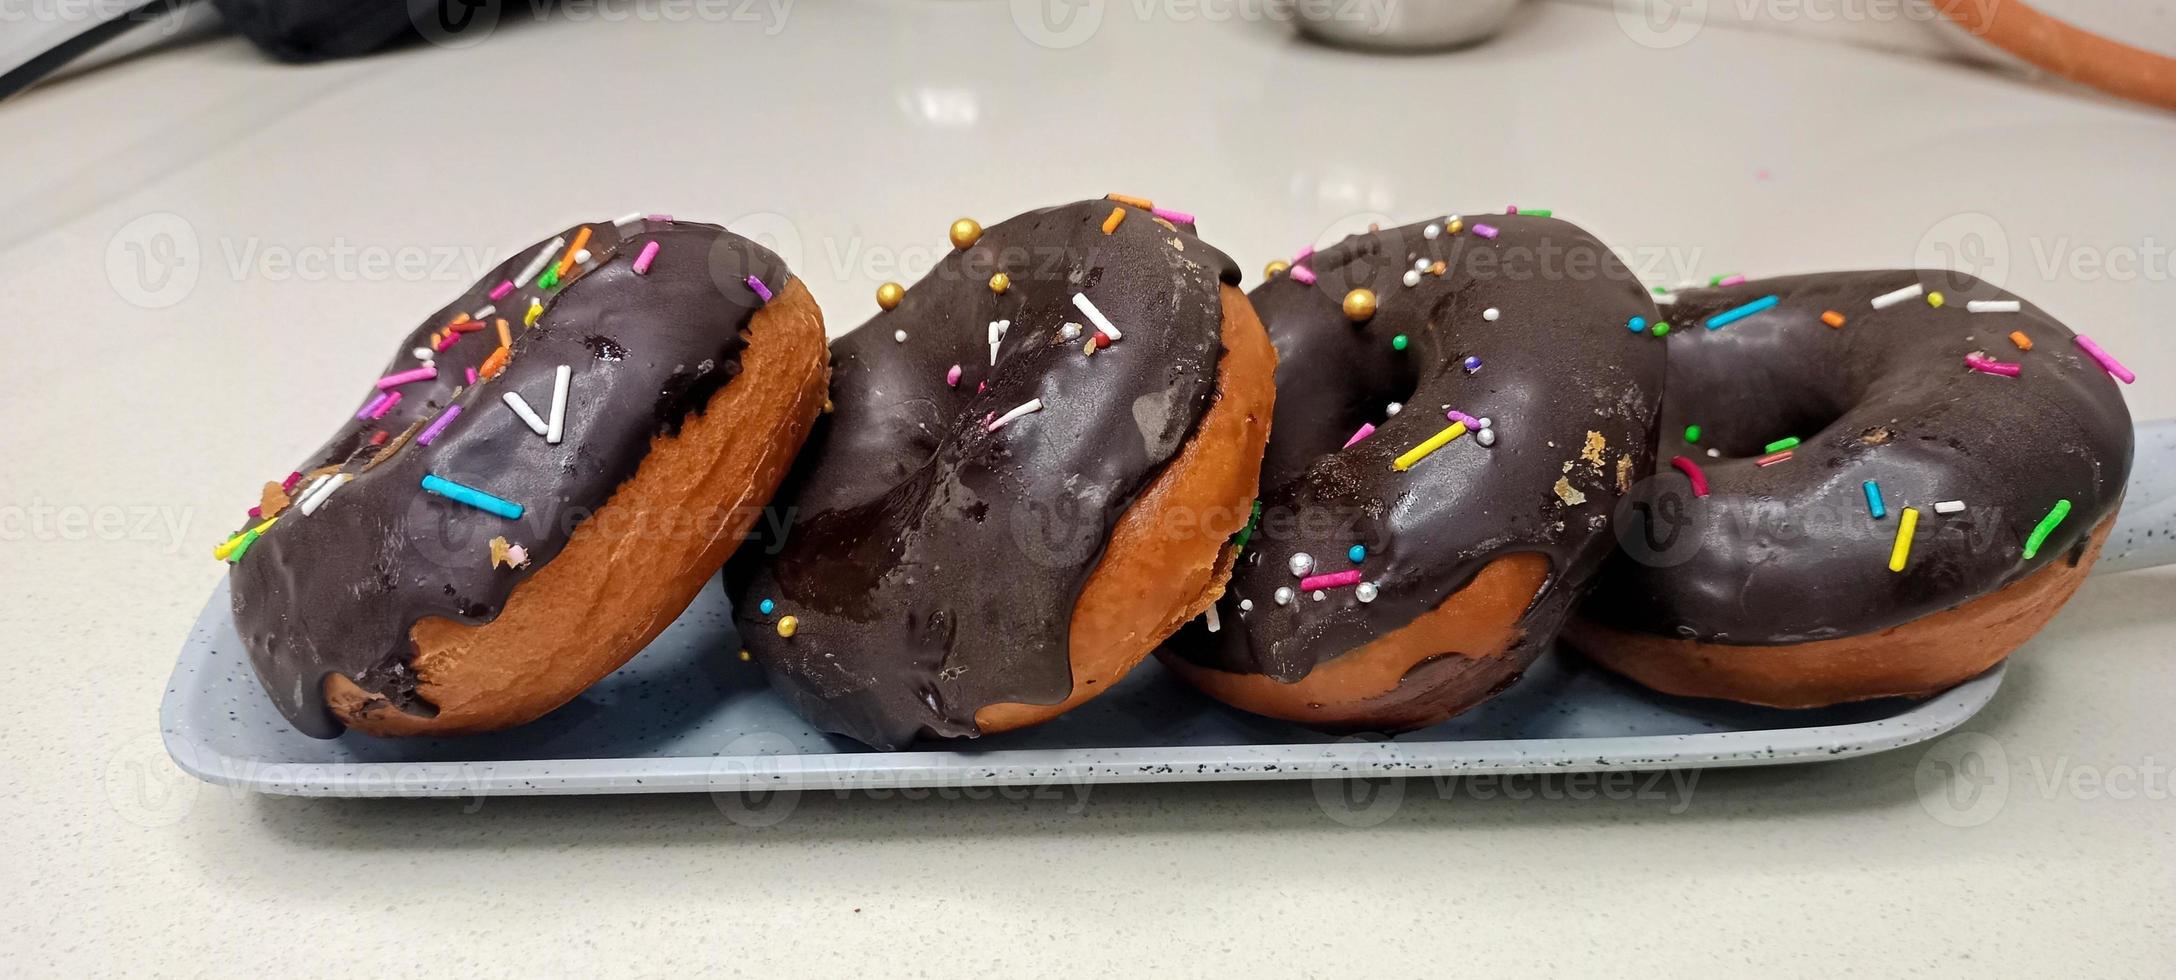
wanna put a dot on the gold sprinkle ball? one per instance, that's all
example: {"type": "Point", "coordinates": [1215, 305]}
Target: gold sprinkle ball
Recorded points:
{"type": "Point", "coordinates": [1360, 305]}
{"type": "Point", "coordinates": [889, 295]}
{"type": "Point", "coordinates": [1934, 300]}
{"type": "Point", "coordinates": [965, 233]}
{"type": "Point", "coordinates": [1275, 269]}
{"type": "Point", "coordinates": [745, 656]}
{"type": "Point", "coordinates": [999, 283]}
{"type": "Point", "coordinates": [787, 625]}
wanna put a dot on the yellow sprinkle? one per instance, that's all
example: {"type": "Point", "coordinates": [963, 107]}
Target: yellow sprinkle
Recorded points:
{"type": "Point", "coordinates": [1454, 227]}
{"type": "Point", "coordinates": [745, 656]}
{"type": "Point", "coordinates": [787, 625]}
{"type": "Point", "coordinates": [1435, 442]}
{"type": "Point", "coordinates": [536, 309]}
{"type": "Point", "coordinates": [1902, 552]}
{"type": "Point", "coordinates": [1934, 299]}
{"type": "Point", "coordinates": [1118, 217]}
{"type": "Point", "coordinates": [221, 552]}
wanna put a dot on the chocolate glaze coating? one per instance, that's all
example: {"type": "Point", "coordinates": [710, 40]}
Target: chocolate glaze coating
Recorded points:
{"type": "Point", "coordinates": [1559, 371]}
{"type": "Point", "coordinates": [933, 565]}
{"type": "Point", "coordinates": [339, 589]}
{"type": "Point", "coordinates": [1791, 552]}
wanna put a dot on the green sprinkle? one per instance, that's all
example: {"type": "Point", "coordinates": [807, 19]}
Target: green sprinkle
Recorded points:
{"type": "Point", "coordinates": [1692, 433]}
{"type": "Point", "coordinates": [1239, 543]}
{"type": "Point", "coordinates": [1781, 445]}
{"type": "Point", "coordinates": [1659, 290]}
{"type": "Point", "coordinates": [2047, 527]}
{"type": "Point", "coordinates": [1661, 329]}
{"type": "Point", "coordinates": [1398, 342]}
{"type": "Point", "coordinates": [1537, 212]}
{"type": "Point", "coordinates": [250, 538]}
{"type": "Point", "coordinates": [549, 280]}
{"type": "Point", "coordinates": [1714, 281]}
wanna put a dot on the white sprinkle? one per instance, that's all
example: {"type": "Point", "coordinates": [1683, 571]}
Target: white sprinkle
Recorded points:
{"type": "Point", "coordinates": [1665, 299]}
{"type": "Point", "coordinates": [559, 404]}
{"type": "Point", "coordinates": [313, 488]}
{"type": "Point", "coordinates": [1284, 596]}
{"type": "Point", "coordinates": [1209, 615]}
{"type": "Point", "coordinates": [1486, 422]}
{"type": "Point", "coordinates": [1033, 405]}
{"type": "Point", "coordinates": [1321, 595]}
{"type": "Point", "coordinates": [900, 336]}
{"type": "Point", "coordinates": [485, 313]}
{"type": "Point", "coordinates": [582, 256]}
{"type": "Point", "coordinates": [1423, 265]}
{"type": "Point", "coordinates": [1095, 316]}
{"type": "Point", "coordinates": [1365, 592]}
{"type": "Point", "coordinates": [627, 219]}
{"type": "Point", "coordinates": [998, 329]}
{"type": "Point", "coordinates": [1949, 507]}
{"type": "Point", "coordinates": [1412, 279]}
{"type": "Point", "coordinates": [528, 415]}
{"type": "Point", "coordinates": [1993, 306]}
{"type": "Point", "coordinates": [1432, 232]}
{"type": "Point", "coordinates": [1491, 314]}
{"type": "Point", "coordinates": [1070, 331]}
{"type": "Point", "coordinates": [1394, 408]}
{"type": "Point", "coordinates": [1893, 297]}
{"type": "Point", "coordinates": [1486, 437]}
{"type": "Point", "coordinates": [317, 497]}
{"type": "Point", "coordinates": [536, 265]}
{"type": "Point", "coordinates": [1715, 454]}
{"type": "Point", "coordinates": [1301, 564]}
{"type": "Point", "coordinates": [1246, 605]}
{"type": "Point", "coordinates": [425, 354]}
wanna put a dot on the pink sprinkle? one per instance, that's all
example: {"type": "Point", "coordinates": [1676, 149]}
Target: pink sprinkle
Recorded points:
{"type": "Point", "coordinates": [1303, 275]}
{"type": "Point", "coordinates": [370, 411]}
{"type": "Point", "coordinates": [471, 375]}
{"type": "Point", "coordinates": [504, 287]}
{"type": "Point", "coordinates": [452, 337]}
{"type": "Point", "coordinates": [2107, 361]}
{"type": "Point", "coordinates": [1305, 254]}
{"type": "Point", "coordinates": [439, 425]}
{"type": "Point", "coordinates": [1782, 457]}
{"type": "Point", "coordinates": [666, 218]}
{"type": "Point", "coordinates": [981, 387]}
{"type": "Point", "coordinates": [387, 407]}
{"type": "Point", "coordinates": [1455, 415]}
{"type": "Point", "coordinates": [1485, 231]}
{"type": "Point", "coordinates": [1334, 580]}
{"type": "Point", "coordinates": [762, 292]}
{"type": "Point", "coordinates": [1731, 280]}
{"type": "Point", "coordinates": [642, 262]}
{"type": "Point", "coordinates": [288, 485]}
{"type": "Point", "coordinates": [1692, 472]}
{"type": "Point", "coordinates": [256, 512]}
{"type": "Point", "coordinates": [1985, 366]}
{"type": "Point", "coordinates": [424, 373]}
{"type": "Point", "coordinates": [1366, 429]}
{"type": "Point", "coordinates": [1175, 217]}
{"type": "Point", "coordinates": [952, 377]}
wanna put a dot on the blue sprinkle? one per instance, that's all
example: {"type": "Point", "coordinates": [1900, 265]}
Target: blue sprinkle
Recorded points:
{"type": "Point", "coordinates": [1636, 324]}
{"type": "Point", "coordinates": [766, 606]}
{"type": "Point", "coordinates": [1873, 500]}
{"type": "Point", "coordinates": [1359, 553]}
{"type": "Point", "coordinates": [1473, 364]}
{"type": "Point", "coordinates": [1728, 317]}
{"type": "Point", "coordinates": [433, 483]}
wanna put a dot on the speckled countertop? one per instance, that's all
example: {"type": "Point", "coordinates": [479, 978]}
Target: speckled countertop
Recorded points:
{"type": "Point", "coordinates": [196, 244]}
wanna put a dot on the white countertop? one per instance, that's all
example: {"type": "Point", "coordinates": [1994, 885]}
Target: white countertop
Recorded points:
{"type": "Point", "coordinates": [142, 409]}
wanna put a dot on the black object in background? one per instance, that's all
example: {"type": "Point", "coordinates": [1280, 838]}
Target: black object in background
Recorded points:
{"type": "Point", "coordinates": [315, 30]}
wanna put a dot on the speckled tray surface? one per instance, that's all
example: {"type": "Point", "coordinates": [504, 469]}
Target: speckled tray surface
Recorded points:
{"type": "Point", "coordinates": [685, 716]}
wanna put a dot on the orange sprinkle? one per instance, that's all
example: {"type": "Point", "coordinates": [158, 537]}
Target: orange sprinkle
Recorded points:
{"type": "Point", "coordinates": [495, 363]}
{"type": "Point", "coordinates": [462, 318]}
{"type": "Point", "coordinates": [1138, 202]}
{"type": "Point", "coordinates": [581, 241]}
{"type": "Point", "coordinates": [1833, 319]}
{"type": "Point", "coordinates": [1439, 268]}
{"type": "Point", "coordinates": [1118, 217]}
{"type": "Point", "coordinates": [2023, 342]}
{"type": "Point", "coordinates": [505, 339]}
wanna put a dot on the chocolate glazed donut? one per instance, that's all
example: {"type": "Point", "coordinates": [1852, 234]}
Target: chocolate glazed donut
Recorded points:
{"type": "Point", "coordinates": [1884, 482]}
{"type": "Point", "coordinates": [1412, 561]}
{"type": "Point", "coordinates": [439, 567]}
{"type": "Point", "coordinates": [1035, 463]}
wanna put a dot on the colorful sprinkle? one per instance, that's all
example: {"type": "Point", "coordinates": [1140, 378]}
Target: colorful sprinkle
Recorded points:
{"type": "Point", "coordinates": [1366, 429]}
{"type": "Point", "coordinates": [536, 264]}
{"type": "Point", "coordinates": [1534, 212]}
{"type": "Point", "coordinates": [496, 362]}
{"type": "Point", "coordinates": [1788, 442]}
{"type": "Point", "coordinates": [762, 292]}
{"type": "Point", "coordinates": [385, 407]}
{"type": "Point", "coordinates": [1935, 300]}
{"type": "Point", "coordinates": [506, 338]}
{"type": "Point", "coordinates": [438, 425]}
{"type": "Point", "coordinates": [558, 425]}
{"type": "Point", "coordinates": [1895, 296]}
{"type": "Point", "coordinates": [373, 405]}
{"type": "Point", "coordinates": [789, 625]}
{"type": "Point", "coordinates": [649, 255]}
{"type": "Point", "coordinates": [1692, 433]}
{"type": "Point", "coordinates": [1874, 504]}
{"type": "Point", "coordinates": [1031, 406]}
{"type": "Point", "coordinates": [1303, 275]}
{"type": "Point", "coordinates": [1110, 224]}
{"type": "Point", "coordinates": [1175, 217]}
{"type": "Point", "coordinates": [1993, 306]}
{"type": "Point", "coordinates": [2023, 342]}
{"type": "Point", "coordinates": [1985, 365]}
{"type": "Point", "coordinates": [1358, 553]}
{"type": "Point", "coordinates": [536, 309]}
{"type": "Point", "coordinates": [1949, 507]}
{"type": "Point", "coordinates": [1399, 342]}
{"type": "Point", "coordinates": [433, 483]}
{"type": "Point", "coordinates": [549, 280]}
{"type": "Point", "coordinates": [1734, 279]}
{"type": "Point", "coordinates": [766, 606]}
{"type": "Point", "coordinates": [1422, 451]}
{"type": "Point", "coordinates": [499, 291]}
{"type": "Point", "coordinates": [1334, 580]}
{"type": "Point", "coordinates": [1637, 324]}
{"type": "Point", "coordinates": [1095, 316]}
{"type": "Point", "coordinates": [1692, 472]}
{"type": "Point", "coordinates": [1471, 364]}
{"type": "Point", "coordinates": [1469, 421]}
{"type": "Point", "coordinates": [2107, 361]}
{"type": "Point", "coordinates": [424, 373]}
{"type": "Point", "coordinates": [1773, 459]}
{"type": "Point", "coordinates": [581, 243]}
{"type": "Point", "coordinates": [952, 377]}
{"type": "Point", "coordinates": [2046, 527]}
{"type": "Point", "coordinates": [322, 492]}
{"type": "Point", "coordinates": [1661, 329]}
{"type": "Point", "coordinates": [1730, 316]}
{"type": "Point", "coordinates": [1900, 553]}
{"type": "Point", "coordinates": [1485, 231]}
{"type": "Point", "coordinates": [1246, 534]}
{"type": "Point", "coordinates": [1834, 319]}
